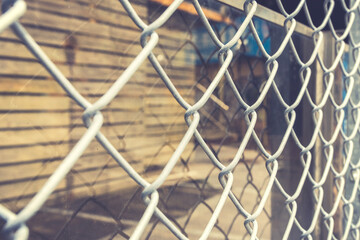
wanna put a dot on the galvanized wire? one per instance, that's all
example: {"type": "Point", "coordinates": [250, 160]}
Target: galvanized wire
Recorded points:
{"type": "Point", "coordinates": [15, 226]}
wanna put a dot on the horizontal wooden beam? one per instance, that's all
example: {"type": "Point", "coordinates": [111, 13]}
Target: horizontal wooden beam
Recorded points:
{"type": "Point", "coordinates": [189, 8]}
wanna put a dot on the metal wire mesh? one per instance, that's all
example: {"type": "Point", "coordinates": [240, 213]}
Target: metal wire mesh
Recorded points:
{"type": "Point", "coordinates": [242, 130]}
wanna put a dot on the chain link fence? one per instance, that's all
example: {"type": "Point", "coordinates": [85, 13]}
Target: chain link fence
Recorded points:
{"type": "Point", "coordinates": [179, 120]}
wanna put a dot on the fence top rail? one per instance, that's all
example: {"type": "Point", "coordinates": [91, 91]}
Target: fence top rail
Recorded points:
{"type": "Point", "coordinates": [269, 15]}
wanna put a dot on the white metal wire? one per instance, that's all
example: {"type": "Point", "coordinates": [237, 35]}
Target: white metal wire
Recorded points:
{"type": "Point", "coordinates": [15, 226]}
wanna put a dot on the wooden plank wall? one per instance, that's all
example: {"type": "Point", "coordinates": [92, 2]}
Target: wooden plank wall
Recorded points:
{"type": "Point", "coordinates": [91, 42]}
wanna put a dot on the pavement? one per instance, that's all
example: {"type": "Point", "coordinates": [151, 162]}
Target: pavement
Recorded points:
{"type": "Point", "coordinates": [190, 204]}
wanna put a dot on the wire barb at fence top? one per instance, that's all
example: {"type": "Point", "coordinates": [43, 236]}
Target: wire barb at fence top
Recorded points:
{"type": "Point", "coordinates": [15, 226]}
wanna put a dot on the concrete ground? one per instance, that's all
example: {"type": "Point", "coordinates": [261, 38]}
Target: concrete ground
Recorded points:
{"type": "Point", "coordinates": [190, 207]}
